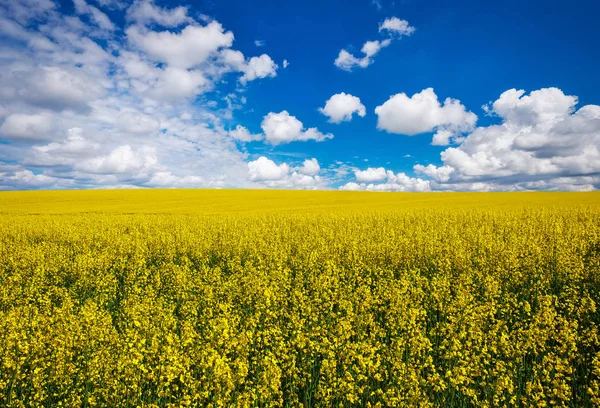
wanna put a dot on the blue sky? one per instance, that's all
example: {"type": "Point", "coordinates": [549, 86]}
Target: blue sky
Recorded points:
{"type": "Point", "coordinates": [448, 96]}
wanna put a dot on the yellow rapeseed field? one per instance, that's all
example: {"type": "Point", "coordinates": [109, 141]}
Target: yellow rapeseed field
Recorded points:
{"type": "Point", "coordinates": [196, 298]}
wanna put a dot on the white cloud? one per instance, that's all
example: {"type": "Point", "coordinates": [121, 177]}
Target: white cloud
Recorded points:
{"type": "Point", "coordinates": [397, 26]}
{"type": "Point", "coordinates": [385, 180]}
{"type": "Point", "coordinates": [242, 134]}
{"type": "Point", "coordinates": [146, 12]}
{"type": "Point", "coordinates": [168, 179]}
{"type": "Point", "coordinates": [196, 58]}
{"type": "Point", "coordinates": [233, 59]}
{"type": "Point", "coordinates": [310, 167]}
{"type": "Point", "coordinates": [340, 107]}
{"type": "Point", "coordinates": [259, 43]}
{"type": "Point", "coordinates": [26, 179]}
{"type": "Point", "coordinates": [259, 67]}
{"type": "Point", "coordinates": [347, 61]}
{"type": "Point", "coordinates": [284, 128]}
{"type": "Point", "coordinates": [441, 174]}
{"type": "Point", "coordinates": [24, 127]}
{"type": "Point", "coordinates": [264, 169]}
{"type": "Point", "coordinates": [445, 137]}
{"type": "Point", "coordinates": [371, 48]}
{"type": "Point", "coordinates": [267, 173]}
{"type": "Point", "coordinates": [393, 25]}
{"type": "Point", "coordinates": [541, 143]}
{"type": "Point", "coordinates": [122, 159]}
{"type": "Point", "coordinates": [423, 113]}
{"type": "Point", "coordinates": [547, 106]}
{"type": "Point", "coordinates": [189, 48]}
{"type": "Point", "coordinates": [65, 153]}
{"type": "Point", "coordinates": [285, 63]}
{"type": "Point", "coordinates": [352, 186]}
{"type": "Point", "coordinates": [370, 174]}
{"type": "Point", "coordinates": [175, 83]}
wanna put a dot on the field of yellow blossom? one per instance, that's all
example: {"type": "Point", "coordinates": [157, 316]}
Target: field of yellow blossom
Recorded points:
{"type": "Point", "coordinates": [224, 298]}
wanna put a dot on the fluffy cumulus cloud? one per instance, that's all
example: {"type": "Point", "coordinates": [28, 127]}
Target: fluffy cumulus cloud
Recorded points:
{"type": "Point", "coordinates": [186, 49]}
{"type": "Point", "coordinates": [392, 26]}
{"type": "Point", "coordinates": [396, 26]}
{"type": "Point", "coordinates": [263, 169]}
{"type": "Point", "coordinates": [122, 159]}
{"type": "Point", "coordinates": [423, 113]}
{"type": "Point", "coordinates": [195, 58]}
{"type": "Point", "coordinates": [541, 142]}
{"type": "Point", "coordinates": [259, 67]}
{"type": "Point", "coordinates": [284, 128]}
{"type": "Point", "coordinates": [107, 96]}
{"type": "Point", "coordinates": [340, 107]}
{"type": "Point", "coordinates": [242, 134]}
{"type": "Point", "coordinates": [370, 174]}
{"type": "Point", "coordinates": [380, 179]}
{"type": "Point", "coordinates": [347, 61]}
{"type": "Point", "coordinates": [441, 174]}
{"type": "Point", "coordinates": [310, 167]}
{"type": "Point", "coordinates": [168, 179]}
{"type": "Point", "coordinates": [269, 174]}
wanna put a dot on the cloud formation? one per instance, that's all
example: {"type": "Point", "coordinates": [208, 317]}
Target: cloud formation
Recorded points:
{"type": "Point", "coordinates": [270, 174]}
{"type": "Point", "coordinates": [340, 108]}
{"type": "Point", "coordinates": [393, 26]}
{"type": "Point", "coordinates": [542, 142]}
{"type": "Point", "coordinates": [145, 12]}
{"type": "Point", "coordinates": [347, 61]}
{"type": "Point", "coordinates": [370, 174]}
{"type": "Point", "coordinates": [397, 26]}
{"type": "Point", "coordinates": [284, 128]}
{"type": "Point", "coordinates": [242, 134]}
{"type": "Point", "coordinates": [380, 179]}
{"type": "Point", "coordinates": [86, 104]}
{"type": "Point", "coordinates": [423, 113]}
{"type": "Point", "coordinates": [259, 67]}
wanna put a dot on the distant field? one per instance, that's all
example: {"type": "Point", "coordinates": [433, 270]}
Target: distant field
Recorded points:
{"type": "Point", "coordinates": [286, 298]}
{"type": "Point", "coordinates": [203, 202]}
